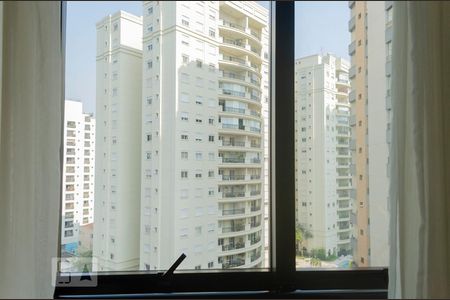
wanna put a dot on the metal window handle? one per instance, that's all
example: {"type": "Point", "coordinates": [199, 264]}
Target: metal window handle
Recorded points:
{"type": "Point", "coordinates": [174, 266]}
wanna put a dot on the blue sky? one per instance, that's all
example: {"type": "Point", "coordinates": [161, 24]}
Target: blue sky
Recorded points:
{"type": "Point", "coordinates": [320, 27]}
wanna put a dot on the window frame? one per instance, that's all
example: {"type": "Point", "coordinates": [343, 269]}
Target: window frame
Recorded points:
{"type": "Point", "coordinates": [281, 278]}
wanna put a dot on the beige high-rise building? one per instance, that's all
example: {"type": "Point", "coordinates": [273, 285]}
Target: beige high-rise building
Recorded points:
{"type": "Point", "coordinates": [371, 31]}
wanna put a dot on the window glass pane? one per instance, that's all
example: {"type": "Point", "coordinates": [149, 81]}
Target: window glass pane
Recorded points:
{"type": "Point", "coordinates": [166, 135]}
{"type": "Point", "coordinates": [342, 105]}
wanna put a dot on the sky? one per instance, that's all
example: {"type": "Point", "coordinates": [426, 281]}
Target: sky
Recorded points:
{"type": "Point", "coordinates": [320, 27]}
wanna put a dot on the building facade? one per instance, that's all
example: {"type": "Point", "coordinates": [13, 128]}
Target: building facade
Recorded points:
{"type": "Point", "coordinates": [118, 139]}
{"type": "Point", "coordinates": [78, 175]}
{"type": "Point", "coordinates": [202, 134]}
{"type": "Point", "coordinates": [370, 50]}
{"type": "Point", "coordinates": [322, 143]}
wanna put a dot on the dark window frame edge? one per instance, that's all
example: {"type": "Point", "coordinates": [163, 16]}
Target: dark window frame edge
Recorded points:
{"type": "Point", "coordinates": [282, 278]}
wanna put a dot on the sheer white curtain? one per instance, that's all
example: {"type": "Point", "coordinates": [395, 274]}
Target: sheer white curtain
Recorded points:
{"type": "Point", "coordinates": [31, 118]}
{"type": "Point", "coordinates": [420, 152]}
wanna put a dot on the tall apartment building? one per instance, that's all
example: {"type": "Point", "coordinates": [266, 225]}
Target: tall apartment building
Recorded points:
{"type": "Point", "coordinates": [202, 136]}
{"type": "Point", "coordinates": [371, 30]}
{"type": "Point", "coordinates": [118, 139]}
{"type": "Point", "coordinates": [322, 136]}
{"type": "Point", "coordinates": [78, 175]}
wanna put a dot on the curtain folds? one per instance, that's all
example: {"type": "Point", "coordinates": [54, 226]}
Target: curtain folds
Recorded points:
{"type": "Point", "coordinates": [30, 155]}
{"type": "Point", "coordinates": [420, 152]}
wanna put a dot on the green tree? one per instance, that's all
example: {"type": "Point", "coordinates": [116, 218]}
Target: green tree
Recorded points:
{"type": "Point", "coordinates": [301, 235]}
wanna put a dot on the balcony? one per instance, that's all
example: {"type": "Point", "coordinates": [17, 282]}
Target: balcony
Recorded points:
{"type": "Point", "coordinates": [352, 48]}
{"type": "Point", "coordinates": [352, 120]}
{"type": "Point", "coordinates": [233, 194]}
{"type": "Point", "coordinates": [255, 224]}
{"type": "Point", "coordinates": [233, 93]}
{"type": "Point", "coordinates": [351, 24]}
{"type": "Point", "coordinates": [233, 263]}
{"type": "Point", "coordinates": [235, 211]}
{"type": "Point", "coordinates": [233, 110]}
{"type": "Point", "coordinates": [352, 96]}
{"type": "Point", "coordinates": [233, 143]}
{"type": "Point", "coordinates": [232, 75]}
{"type": "Point", "coordinates": [233, 126]}
{"type": "Point", "coordinates": [233, 177]}
{"type": "Point", "coordinates": [233, 160]}
{"type": "Point", "coordinates": [255, 193]}
{"type": "Point", "coordinates": [352, 72]}
{"type": "Point", "coordinates": [255, 240]}
{"type": "Point", "coordinates": [254, 257]}
{"type": "Point", "coordinates": [255, 34]}
{"type": "Point", "coordinates": [255, 129]}
{"type": "Point", "coordinates": [255, 113]}
{"type": "Point", "coordinates": [388, 67]}
{"type": "Point", "coordinates": [255, 177]}
{"type": "Point", "coordinates": [232, 25]}
{"type": "Point", "coordinates": [388, 102]}
{"type": "Point", "coordinates": [353, 144]}
{"type": "Point", "coordinates": [235, 228]}
{"type": "Point", "coordinates": [255, 208]}
{"type": "Point", "coordinates": [230, 247]}
{"type": "Point", "coordinates": [254, 160]}
{"type": "Point", "coordinates": [234, 59]}
{"type": "Point", "coordinates": [255, 145]}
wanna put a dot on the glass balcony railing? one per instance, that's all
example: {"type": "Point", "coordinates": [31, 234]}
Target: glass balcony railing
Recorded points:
{"type": "Point", "coordinates": [254, 177]}
{"type": "Point", "coordinates": [255, 160]}
{"type": "Point", "coordinates": [233, 143]}
{"type": "Point", "coordinates": [230, 247]}
{"type": "Point", "coordinates": [233, 110]}
{"type": "Point", "coordinates": [234, 59]}
{"type": "Point", "coordinates": [233, 177]}
{"type": "Point", "coordinates": [238, 43]}
{"type": "Point", "coordinates": [255, 34]}
{"type": "Point", "coordinates": [235, 211]}
{"type": "Point", "coordinates": [233, 25]}
{"type": "Point", "coordinates": [235, 228]}
{"type": "Point", "coordinates": [255, 257]}
{"type": "Point", "coordinates": [231, 126]}
{"type": "Point", "coordinates": [255, 224]}
{"type": "Point", "coordinates": [255, 208]}
{"type": "Point", "coordinates": [233, 194]}
{"type": "Point", "coordinates": [255, 240]}
{"type": "Point", "coordinates": [233, 93]}
{"type": "Point", "coordinates": [233, 263]}
{"type": "Point", "coordinates": [232, 75]}
{"type": "Point", "coordinates": [255, 193]}
{"type": "Point", "coordinates": [236, 160]}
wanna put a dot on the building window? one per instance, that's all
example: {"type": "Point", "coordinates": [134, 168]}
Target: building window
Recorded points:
{"type": "Point", "coordinates": [211, 138]}
{"type": "Point", "coordinates": [184, 155]}
{"type": "Point", "coordinates": [199, 63]}
{"type": "Point", "coordinates": [184, 174]}
{"type": "Point", "coordinates": [184, 137]}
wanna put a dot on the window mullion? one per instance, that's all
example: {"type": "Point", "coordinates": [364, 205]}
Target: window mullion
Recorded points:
{"type": "Point", "coordinates": [282, 143]}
